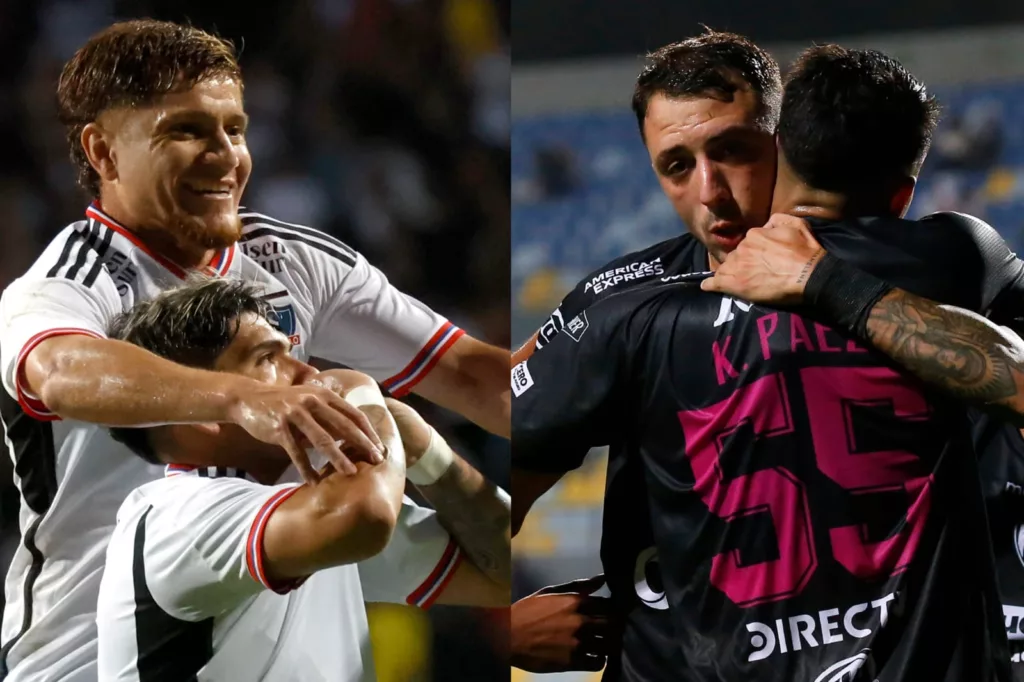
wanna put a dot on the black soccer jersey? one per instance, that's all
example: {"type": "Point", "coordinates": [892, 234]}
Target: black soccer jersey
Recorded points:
{"type": "Point", "coordinates": [658, 263]}
{"type": "Point", "coordinates": [628, 554]}
{"type": "Point", "coordinates": [1000, 450]}
{"type": "Point", "coordinates": [812, 508]}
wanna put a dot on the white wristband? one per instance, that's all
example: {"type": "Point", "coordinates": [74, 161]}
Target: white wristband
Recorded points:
{"type": "Point", "coordinates": [434, 462]}
{"type": "Point", "coordinates": [365, 395]}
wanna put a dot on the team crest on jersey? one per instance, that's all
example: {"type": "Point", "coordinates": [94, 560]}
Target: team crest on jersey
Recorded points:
{"type": "Point", "coordinates": [577, 326]}
{"type": "Point", "coordinates": [282, 316]}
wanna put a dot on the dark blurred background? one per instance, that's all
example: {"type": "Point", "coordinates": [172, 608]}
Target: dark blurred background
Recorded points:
{"type": "Point", "coordinates": [383, 122]}
{"type": "Point", "coordinates": [571, 29]}
{"type": "Point", "coordinates": [583, 191]}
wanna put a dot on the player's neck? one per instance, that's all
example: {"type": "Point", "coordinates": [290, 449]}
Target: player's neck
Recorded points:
{"type": "Point", "coordinates": [795, 197]}
{"type": "Point", "coordinates": [158, 240]}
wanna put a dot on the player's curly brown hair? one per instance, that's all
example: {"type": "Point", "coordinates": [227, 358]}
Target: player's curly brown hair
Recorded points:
{"type": "Point", "coordinates": [131, 63]}
{"type": "Point", "coordinates": [191, 325]}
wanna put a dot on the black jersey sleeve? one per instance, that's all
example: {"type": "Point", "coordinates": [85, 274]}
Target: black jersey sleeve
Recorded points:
{"type": "Point", "coordinates": [624, 272]}
{"type": "Point", "coordinates": [950, 258]}
{"type": "Point", "coordinates": [1002, 284]}
{"type": "Point", "coordinates": [1002, 272]}
{"type": "Point", "coordinates": [581, 297]}
{"type": "Point", "coordinates": [565, 396]}
{"type": "Point", "coordinates": [575, 302]}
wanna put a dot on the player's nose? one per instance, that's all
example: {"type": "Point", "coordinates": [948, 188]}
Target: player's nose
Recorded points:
{"type": "Point", "coordinates": [301, 372]}
{"type": "Point", "coordinates": [222, 152]}
{"type": "Point", "coordinates": [713, 190]}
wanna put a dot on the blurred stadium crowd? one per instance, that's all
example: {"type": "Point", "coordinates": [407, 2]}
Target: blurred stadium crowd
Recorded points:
{"type": "Point", "coordinates": [583, 191]}
{"type": "Point", "coordinates": [383, 122]}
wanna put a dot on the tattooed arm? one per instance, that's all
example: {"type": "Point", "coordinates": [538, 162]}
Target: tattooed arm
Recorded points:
{"type": "Point", "coordinates": [957, 350]}
{"type": "Point", "coordinates": [950, 348]}
{"type": "Point", "coordinates": [477, 513]}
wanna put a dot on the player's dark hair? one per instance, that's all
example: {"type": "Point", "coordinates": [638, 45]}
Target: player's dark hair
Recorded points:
{"type": "Point", "coordinates": [851, 117]}
{"type": "Point", "coordinates": [714, 64]}
{"type": "Point", "coordinates": [191, 325]}
{"type": "Point", "coordinates": [132, 63]}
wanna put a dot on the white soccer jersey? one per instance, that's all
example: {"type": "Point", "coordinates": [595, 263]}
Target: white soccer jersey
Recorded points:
{"type": "Point", "coordinates": [184, 595]}
{"type": "Point", "coordinates": [73, 476]}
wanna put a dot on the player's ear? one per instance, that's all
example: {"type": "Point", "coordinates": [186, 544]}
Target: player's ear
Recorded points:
{"type": "Point", "coordinates": [98, 149]}
{"type": "Point", "coordinates": [902, 197]}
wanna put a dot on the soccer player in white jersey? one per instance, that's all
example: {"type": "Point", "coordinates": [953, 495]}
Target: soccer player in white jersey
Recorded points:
{"type": "Point", "coordinates": [156, 127]}
{"type": "Point", "coordinates": [230, 569]}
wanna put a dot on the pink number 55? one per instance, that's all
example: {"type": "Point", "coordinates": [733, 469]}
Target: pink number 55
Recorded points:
{"type": "Point", "coordinates": [830, 393]}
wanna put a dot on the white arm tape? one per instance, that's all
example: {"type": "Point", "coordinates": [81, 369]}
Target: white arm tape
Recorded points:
{"type": "Point", "coordinates": [434, 462]}
{"type": "Point", "coordinates": [365, 395]}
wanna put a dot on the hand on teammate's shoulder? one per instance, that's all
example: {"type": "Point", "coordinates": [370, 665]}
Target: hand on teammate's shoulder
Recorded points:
{"type": "Point", "coordinates": [771, 265]}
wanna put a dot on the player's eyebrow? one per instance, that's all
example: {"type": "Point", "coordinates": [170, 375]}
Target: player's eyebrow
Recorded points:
{"type": "Point", "coordinates": [270, 345]}
{"type": "Point", "coordinates": [733, 132]}
{"type": "Point", "coordinates": [186, 115]}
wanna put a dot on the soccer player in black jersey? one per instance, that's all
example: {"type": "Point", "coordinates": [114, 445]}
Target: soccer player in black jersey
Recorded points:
{"type": "Point", "coordinates": [707, 108]}
{"type": "Point", "coordinates": [814, 510]}
{"type": "Point", "coordinates": [966, 357]}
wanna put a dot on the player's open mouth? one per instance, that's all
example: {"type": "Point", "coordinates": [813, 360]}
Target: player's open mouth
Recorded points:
{"type": "Point", "coordinates": [210, 191]}
{"type": "Point", "coordinates": [728, 235]}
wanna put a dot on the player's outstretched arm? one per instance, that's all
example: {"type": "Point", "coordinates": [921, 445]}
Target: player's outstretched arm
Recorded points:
{"type": "Point", "coordinates": [340, 519]}
{"type": "Point", "coordinates": [470, 379]}
{"type": "Point", "coordinates": [110, 382]}
{"type": "Point", "coordinates": [476, 512]}
{"type": "Point", "coordinates": [956, 350]}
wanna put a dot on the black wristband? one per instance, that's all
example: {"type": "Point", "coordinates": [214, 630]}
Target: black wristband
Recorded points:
{"type": "Point", "coordinates": [844, 294]}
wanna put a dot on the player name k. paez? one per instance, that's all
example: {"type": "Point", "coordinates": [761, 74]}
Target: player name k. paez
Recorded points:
{"type": "Point", "coordinates": [811, 630]}
{"type": "Point", "coordinates": [627, 273]}
{"type": "Point", "coordinates": [779, 332]}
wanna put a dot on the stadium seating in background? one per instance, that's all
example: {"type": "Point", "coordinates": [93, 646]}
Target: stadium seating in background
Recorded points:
{"type": "Point", "coordinates": [583, 190]}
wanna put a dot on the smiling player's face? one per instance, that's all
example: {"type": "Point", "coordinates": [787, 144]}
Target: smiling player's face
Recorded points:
{"type": "Point", "coordinates": [715, 162]}
{"type": "Point", "coordinates": [180, 164]}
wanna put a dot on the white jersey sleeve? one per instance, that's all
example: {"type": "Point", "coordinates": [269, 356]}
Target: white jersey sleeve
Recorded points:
{"type": "Point", "coordinates": [417, 564]}
{"type": "Point", "coordinates": [203, 544]}
{"type": "Point", "coordinates": [60, 294]}
{"type": "Point", "coordinates": [359, 319]}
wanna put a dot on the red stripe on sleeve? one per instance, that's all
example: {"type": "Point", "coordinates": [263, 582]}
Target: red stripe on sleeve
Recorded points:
{"type": "Point", "coordinates": [31, 404]}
